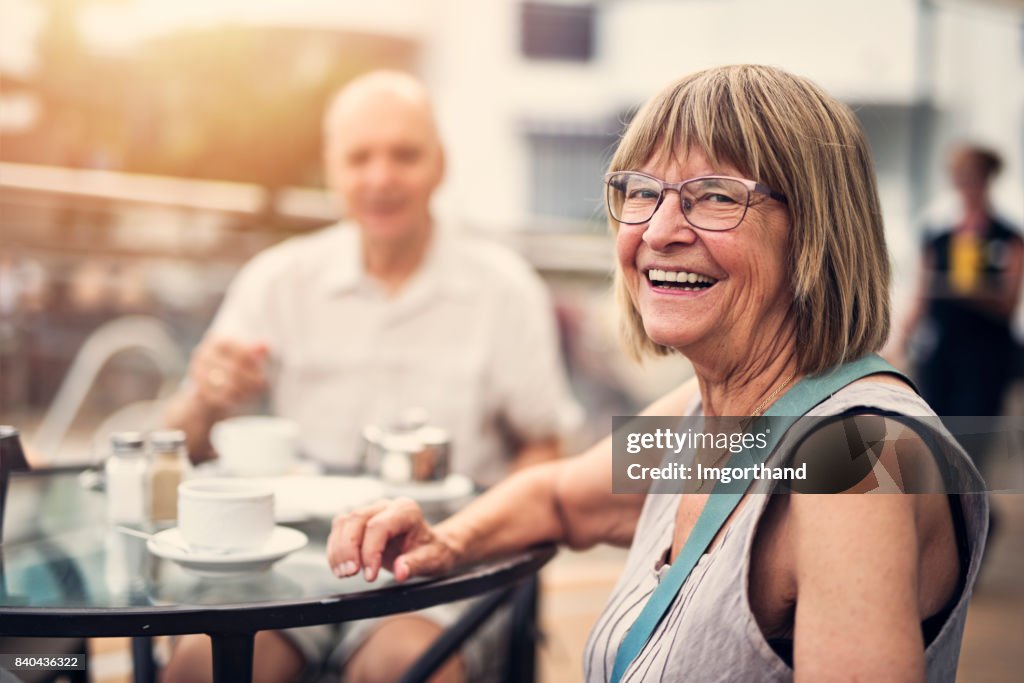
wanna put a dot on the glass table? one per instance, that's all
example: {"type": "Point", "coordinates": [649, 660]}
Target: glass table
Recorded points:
{"type": "Point", "coordinates": [65, 572]}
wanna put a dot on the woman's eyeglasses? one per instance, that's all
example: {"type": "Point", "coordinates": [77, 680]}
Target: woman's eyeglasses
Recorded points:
{"type": "Point", "coordinates": [708, 202]}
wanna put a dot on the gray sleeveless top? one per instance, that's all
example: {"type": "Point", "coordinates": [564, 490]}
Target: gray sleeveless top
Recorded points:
{"type": "Point", "coordinates": [709, 633]}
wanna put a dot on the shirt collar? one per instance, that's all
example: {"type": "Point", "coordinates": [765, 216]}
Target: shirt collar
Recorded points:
{"type": "Point", "coordinates": [345, 272]}
{"type": "Point", "coordinates": [439, 272]}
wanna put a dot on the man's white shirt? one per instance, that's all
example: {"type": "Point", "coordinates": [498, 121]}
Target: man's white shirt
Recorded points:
{"type": "Point", "coordinates": [470, 337]}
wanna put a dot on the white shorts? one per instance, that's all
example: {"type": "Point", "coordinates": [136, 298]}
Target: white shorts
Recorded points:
{"type": "Point", "coordinates": [328, 647]}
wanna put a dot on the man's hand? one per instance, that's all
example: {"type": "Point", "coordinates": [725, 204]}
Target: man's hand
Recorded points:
{"type": "Point", "coordinates": [391, 535]}
{"type": "Point", "coordinates": [226, 373]}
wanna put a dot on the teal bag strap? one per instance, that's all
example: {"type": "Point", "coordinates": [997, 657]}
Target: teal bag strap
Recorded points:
{"type": "Point", "coordinates": [794, 404]}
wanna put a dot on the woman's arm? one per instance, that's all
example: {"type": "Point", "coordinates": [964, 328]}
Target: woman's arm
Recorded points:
{"type": "Point", "coordinates": [523, 510]}
{"type": "Point", "coordinates": [870, 564]}
{"type": "Point", "coordinates": [857, 584]}
{"type": "Point", "coordinates": [568, 501]}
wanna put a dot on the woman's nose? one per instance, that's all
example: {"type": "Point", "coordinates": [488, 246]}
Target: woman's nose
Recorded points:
{"type": "Point", "coordinates": [668, 227]}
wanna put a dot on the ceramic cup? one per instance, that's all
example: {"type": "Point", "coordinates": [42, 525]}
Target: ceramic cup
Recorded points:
{"type": "Point", "coordinates": [256, 445]}
{"type": "Point", "coordinates": [225, 515]}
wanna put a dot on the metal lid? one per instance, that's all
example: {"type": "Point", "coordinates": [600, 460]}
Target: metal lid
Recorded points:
{"type": "Point", "coordinates": [127, 442]}
{"type": "Point", "coordinates": [434, 436]}
{"type": "Point", "coordinates": [401, 443]}
{"type": "Point", "coordinates": [164, 440]}
{"type": "Point", "coordinates": [373, 434]}
{"type": "Point", "coordinates": [412, 418]}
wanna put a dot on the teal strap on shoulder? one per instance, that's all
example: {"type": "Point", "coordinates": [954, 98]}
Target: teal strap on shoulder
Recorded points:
{"type": "Point", "coordinates": [724, 498]}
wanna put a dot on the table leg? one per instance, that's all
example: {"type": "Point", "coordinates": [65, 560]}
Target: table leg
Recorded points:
{"type": "Point", "coordinates": [143, 666]}
{"type": "Point", "coordinates": [522, 651]}
{"type": "Point", "coordinates": [232, 657]}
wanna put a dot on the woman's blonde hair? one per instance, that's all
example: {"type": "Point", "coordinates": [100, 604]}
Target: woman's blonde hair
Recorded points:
{"type": "Point", "coordinates": [785, 132]}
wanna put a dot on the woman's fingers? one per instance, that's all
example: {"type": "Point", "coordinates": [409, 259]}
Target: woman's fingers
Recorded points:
{"type": "Point", "coordinates": [425, 560]}
{"type": "Point", "coordinates": [398, 519]}
{"type": "Point", "coordinates": [387, 534]}
{"type": "Point", "coordinates": [344, 545]}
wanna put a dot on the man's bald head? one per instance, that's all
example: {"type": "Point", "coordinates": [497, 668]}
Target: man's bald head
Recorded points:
{"type": "Point", "coordinates": [375, 89]}
{"type": "Point", "coordinates": [383, 157]}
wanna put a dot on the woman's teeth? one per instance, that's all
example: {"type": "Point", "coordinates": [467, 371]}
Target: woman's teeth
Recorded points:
{"type": "Point", "coordinates": [679, 279]}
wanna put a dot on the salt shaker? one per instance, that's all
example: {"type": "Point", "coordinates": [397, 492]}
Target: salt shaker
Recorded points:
{"type": "Point", "coordinates": [126, 473]}
{"type": "Point", "coordinates": [166, 470]}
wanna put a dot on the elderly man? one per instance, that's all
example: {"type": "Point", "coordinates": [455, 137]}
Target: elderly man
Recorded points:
{"type": "Point", "coordinates": [384, 311]}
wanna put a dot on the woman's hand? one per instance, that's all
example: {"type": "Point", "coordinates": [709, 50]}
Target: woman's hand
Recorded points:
{"type": "Point", "coordinates": [391, 534]}
{"type": "Point", "coordinates": [564, 501]}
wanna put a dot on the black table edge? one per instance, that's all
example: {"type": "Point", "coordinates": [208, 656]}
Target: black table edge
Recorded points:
{"type": "Point", "coordinates": [244, 618]}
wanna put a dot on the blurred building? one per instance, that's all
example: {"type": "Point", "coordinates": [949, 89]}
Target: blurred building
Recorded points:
{"type": "Point", "coordinates": [533, 94]}
{"type": "Point", "coordinates": [531, 98]}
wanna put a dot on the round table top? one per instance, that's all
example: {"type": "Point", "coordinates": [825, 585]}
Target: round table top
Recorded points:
{"type": "Point", "coordinates": [65, 572]}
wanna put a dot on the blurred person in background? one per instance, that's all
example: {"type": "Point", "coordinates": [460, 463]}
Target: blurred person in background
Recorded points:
{"type": "Point", "coordinates": [381, 312]}
{"type": "Point", "coordinates": [749, 240]}
{"type": "Point", "coordinates": [971, 275]}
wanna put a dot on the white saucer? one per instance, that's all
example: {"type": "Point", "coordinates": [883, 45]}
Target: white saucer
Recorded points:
{"type": "Point", "coordinates": [453, 488]}
{"type": "Point", "coordinates": [171, 546]}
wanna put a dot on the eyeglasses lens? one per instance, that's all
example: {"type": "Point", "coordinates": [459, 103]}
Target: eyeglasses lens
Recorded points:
{"type": "Point", "coordinates": [708, 203]}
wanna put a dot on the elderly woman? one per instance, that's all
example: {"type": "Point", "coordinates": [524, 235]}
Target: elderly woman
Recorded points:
{"type": "Point", "coordinates": [749, 240]}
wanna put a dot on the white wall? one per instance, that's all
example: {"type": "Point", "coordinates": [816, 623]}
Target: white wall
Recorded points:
{"type": "Point", "coordinates": [862, 51]}
{"type": "Point", "coordinates": [856, 50]}
{"type": "Point", "coordinates": [979, 84]}
{"type": "Point", "coordinates": [979, 87]}
{"type": "Point", "coordinates": [965, 58]}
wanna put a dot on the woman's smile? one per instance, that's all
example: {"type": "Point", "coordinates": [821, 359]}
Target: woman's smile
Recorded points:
{"type": "Point", "coordinates": [677, 281]}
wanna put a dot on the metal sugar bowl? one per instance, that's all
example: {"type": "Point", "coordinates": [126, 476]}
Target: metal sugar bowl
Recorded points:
{"type": "Point", "coordinates": [410, 451]}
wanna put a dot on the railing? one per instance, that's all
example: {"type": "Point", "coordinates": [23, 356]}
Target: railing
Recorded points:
{"type": "Point", "coordinates": [141, 334]}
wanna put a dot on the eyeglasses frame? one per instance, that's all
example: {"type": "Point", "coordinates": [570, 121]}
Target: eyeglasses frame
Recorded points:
{"type": "Point", "coordinates": [751, 185]}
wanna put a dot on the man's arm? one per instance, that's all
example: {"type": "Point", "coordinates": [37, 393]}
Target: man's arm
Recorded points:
{"type": "Point", "coordinates": [530, 375]}
{"type": "Point", "coordinates": [229, 366]}
{"type": "Point", "coordinates": [186, 412]}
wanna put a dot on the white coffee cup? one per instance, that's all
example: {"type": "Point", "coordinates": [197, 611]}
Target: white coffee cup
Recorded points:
{"type": "Point", "coordinates": [256, 445]}
{"type": "Point", "coordinates": [225, 515]}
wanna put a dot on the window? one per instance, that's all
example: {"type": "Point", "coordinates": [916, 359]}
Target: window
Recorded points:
{"type": "Point", "coordinates": [566, 164]}
{"type": "Point", "coordinates": [557, 31]}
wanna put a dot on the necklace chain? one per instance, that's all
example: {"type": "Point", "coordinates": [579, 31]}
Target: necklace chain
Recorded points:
{"type": "Point", "coordinates": [757, 411]}
{"type": "Point", "coordinates": [764, 404]}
